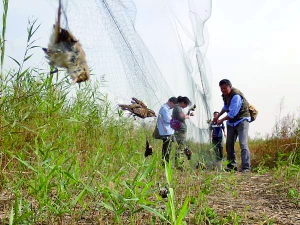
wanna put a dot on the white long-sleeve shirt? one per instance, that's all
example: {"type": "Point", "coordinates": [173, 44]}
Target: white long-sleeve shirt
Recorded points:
{"type": "Point", "coordinates": [163, 121]}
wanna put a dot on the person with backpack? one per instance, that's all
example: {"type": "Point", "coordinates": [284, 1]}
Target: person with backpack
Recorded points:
{"type": "Point", "coordinates": [238, 117]}
{"type": "Point", "coordinates": [164, 129]}
{"type": "Point", "coordinates": [178, 119]}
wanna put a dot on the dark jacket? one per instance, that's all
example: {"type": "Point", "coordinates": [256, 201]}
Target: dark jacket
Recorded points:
{"type": "Point", "coordinates": [244, 111]}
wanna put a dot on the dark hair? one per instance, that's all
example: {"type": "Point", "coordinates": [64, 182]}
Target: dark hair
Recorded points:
{"type": "Point", "coordinates": [225, 81]}
{"type": "Point", "coordinates": [173, 100]}
{"type": "Point", "coordinates": [184, 99]}
{"type": "Point", "coordinates": [215, 112]}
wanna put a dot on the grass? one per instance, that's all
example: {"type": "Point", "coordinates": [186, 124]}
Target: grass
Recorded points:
{"type": "Point", "coordinates": [75, 159]}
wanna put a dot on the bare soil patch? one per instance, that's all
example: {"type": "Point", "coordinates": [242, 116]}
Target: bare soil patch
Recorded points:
{"type": "Point", "coordinates": [257, 199]}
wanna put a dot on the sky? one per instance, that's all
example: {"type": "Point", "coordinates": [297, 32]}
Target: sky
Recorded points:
{"type": "Point", "coordinates": [253, 43]}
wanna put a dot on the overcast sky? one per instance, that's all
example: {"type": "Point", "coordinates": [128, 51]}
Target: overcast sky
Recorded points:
{"type": "Point", "coordinates": [253, 43]}
{"type": "Point", "coordinates": [256, 45]}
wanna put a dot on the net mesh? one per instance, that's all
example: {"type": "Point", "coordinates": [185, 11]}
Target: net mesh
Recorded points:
{"type": "Point", "coordinates": [118, 56]}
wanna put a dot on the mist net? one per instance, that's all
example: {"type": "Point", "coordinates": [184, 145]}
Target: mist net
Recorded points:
{"type": "Point", "coordinates": [116, 50]}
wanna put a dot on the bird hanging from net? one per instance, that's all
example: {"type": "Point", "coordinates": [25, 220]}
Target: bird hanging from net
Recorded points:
{"type": "Point", "coordinates": [65, 51]}
{"type": "Point", "coordinates": [188, 153]}
{"type": "Point", "coordinates": [149, 149]}
{"type": "Point", "coordinates": [138, 108]}
{"type": "Point", "coordinates": [163, 191]}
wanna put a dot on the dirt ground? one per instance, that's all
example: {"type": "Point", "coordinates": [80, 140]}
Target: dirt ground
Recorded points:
{"type": "Point", "coordinates": [256, 197]}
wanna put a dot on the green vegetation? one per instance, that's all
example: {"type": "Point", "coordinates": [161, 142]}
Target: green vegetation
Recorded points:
{"type": "Point", "coordinates": [68, 157]}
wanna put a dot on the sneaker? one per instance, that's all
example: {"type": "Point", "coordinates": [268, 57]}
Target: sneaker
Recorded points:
{"type": "Point", "coordinates": [245, 170]}
{"type": "Point", "coordinates": [179, 168]}
{"type": "Point", "coordinates": [229, 169]}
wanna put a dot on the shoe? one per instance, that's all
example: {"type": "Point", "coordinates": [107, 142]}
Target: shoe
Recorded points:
{"type": "Point", "coordinates": [228, 169]}
{"type": "Point", "coordinates": [245, 170]}
{"type": "Point", "coordinates": [179, 168]}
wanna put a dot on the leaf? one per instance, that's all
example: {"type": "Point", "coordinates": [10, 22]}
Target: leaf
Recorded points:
{"type": "Point", "coordinates": [183, 211]}
{"type": "Point", "coordinates": [79, 197]}
{"type": "Point", "coordinates": [69, 175]}
{"type": "Point", "coordinates": [168, 172]}
{"type": "Point", "coordinates": [108, 206]}
{"type": "Point", "coordinates": [35, 46]}
{"type": "Point", "coordinates": [26, 116]}
{"type": "Point", "coordinates": [27, 164]}
{"type": "Point", "coordinates": [148, 170]}
{"type": "Point", "coordinates": [11, 218]}
{"type": "Point", "coordinates": [119, 173]}
{"type": "Point", "coordinates": [28, 57]}
{"type": "Point", "coordinates": [171, 205]}
{"type": "Point", "coordinates": [28, 129]}
{"type": "Point", "coordinates": [15, 61]}
{"type": "Point", "coordinates": [149, 209]}
{"type": "Point", "coordinates": [71, 119]}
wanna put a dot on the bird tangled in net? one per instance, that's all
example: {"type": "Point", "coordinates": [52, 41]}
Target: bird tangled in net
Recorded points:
{"type": "Point", "coordinates": [163, 191]}
{"type": "Point", "coordinates": [192, 109]}
{"type": "Point", "coordinates": [149, 149]}
{"type": "Point", "coordinates": [138, 108]}
{"type": "Point", "coordinates": [188, 153]}
{"type": "Point", "coordinates": [65, 51]}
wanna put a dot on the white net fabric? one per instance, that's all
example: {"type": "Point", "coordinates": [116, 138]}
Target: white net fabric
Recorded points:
{"type": "Point", "coordinates": [117, 54]}
{"type": "Point", "coordinates": [188, 19]}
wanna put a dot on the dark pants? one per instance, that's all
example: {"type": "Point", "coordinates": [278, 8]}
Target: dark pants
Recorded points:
{"type": "Point", "coordinates": [166, 148]}
{"type": "Point", "coordinates": [241, 131]}
{"type": "Point", "coordinates": [218, 147]}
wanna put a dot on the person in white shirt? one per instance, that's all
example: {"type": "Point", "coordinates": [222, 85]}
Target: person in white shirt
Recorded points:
{"type": "Point", "coordinates": [164, 128]}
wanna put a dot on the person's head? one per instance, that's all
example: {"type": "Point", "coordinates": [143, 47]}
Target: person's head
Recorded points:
{"type": "Point", "coordinates": [172, 102]}
{"type": "Point", "coordinates": [216, 114]}
{"type": "Point", "coordinates": [183, 101]}
{"type": "Point", "coordinates": [225, 86]}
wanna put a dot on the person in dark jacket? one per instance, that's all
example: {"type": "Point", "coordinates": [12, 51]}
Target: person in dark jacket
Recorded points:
{"type": "Point", "coordinates": [216, 134]}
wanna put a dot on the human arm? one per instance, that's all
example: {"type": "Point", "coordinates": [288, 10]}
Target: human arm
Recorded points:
{"type": "Point", "coordinates": [165, 115]}
{"type": "Point", "coordinates": [233, 109]}
{"type": "Point", "coordinates": [215, 119]}
{"type": "Point", "coordinates": [223, 128]}
{"type": "Point", "coordinates": [178, 114]}
{"type": "Point", "coordinates": [211, 132]}
{"type": "Point", "coordinates": [164, 118]}
{"type": "Point", "coordinates": [188, 116]}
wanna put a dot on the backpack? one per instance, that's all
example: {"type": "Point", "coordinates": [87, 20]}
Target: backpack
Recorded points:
{"type": "Point", "coordinates": [253, 112]}
{"type": "Point", "coordinates": [175, 124]}
{"type": "Point", "coordinates": [156, 134]}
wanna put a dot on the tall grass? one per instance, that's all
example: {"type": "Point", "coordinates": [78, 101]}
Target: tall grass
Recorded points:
{"type": "Point", "coordinates": [276, 148]}
{"type": "Point", "coordinates": [2, 37]}
{"type": "Point", "coordinates": [69, 156]}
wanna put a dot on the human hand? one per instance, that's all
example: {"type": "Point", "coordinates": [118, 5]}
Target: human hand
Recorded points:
{"type": "Point", "coordinates": [219, 122]}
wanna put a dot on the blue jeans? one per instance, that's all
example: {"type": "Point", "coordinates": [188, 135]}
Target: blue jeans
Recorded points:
{"type": "Point", "coordinates": [241, 131]}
